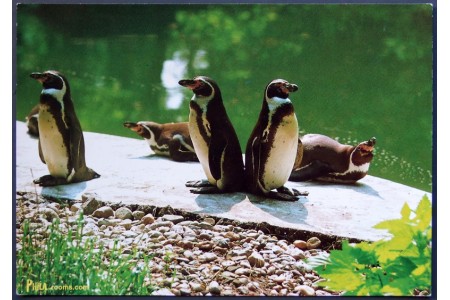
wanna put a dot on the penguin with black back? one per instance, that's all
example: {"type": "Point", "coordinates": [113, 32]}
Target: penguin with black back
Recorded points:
{"type": "Point", "coordinates": [61, 142]}
{"type": "Point", "coordinates": [214, 138]}
{"type": "Point", "coordinates": [167, 139]}
{"type": "Point", "coordinates": [325, 159]}
{"type": "Point", "coordinates": [272, 147]}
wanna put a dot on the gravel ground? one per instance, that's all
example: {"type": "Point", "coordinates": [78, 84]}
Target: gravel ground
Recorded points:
{"type": "Point", "coordinates": [206, 256]}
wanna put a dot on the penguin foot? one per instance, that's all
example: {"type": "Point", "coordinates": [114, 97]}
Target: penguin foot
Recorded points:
{"type": "Point", "coordinates": [199, 183]}
{"type": "Point", "coordinates": [206, 190]}
{"type": "Point", "coordinates": [49, 180]}
{"type": "Point", "coordinates": [291, 192]}
{"type": "Point", "coordinates": [281, 196]}
{"type": "Point", "coordinates": [298, 193]}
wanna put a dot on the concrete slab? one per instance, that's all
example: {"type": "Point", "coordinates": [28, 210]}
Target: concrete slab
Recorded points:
{"type": "Point", "coordinates": [130, 174]}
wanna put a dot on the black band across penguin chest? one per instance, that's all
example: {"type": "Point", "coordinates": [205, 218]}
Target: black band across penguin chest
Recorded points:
{"type": "Point", "coordinates": [54, 138]}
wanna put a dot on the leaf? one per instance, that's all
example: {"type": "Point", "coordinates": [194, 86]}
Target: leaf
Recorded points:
{"type": "Point", "coordinates": [406, 212]}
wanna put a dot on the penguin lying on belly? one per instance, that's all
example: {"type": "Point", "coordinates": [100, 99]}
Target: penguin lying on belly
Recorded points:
{"type": "Point", "coordinates": [61, 142]}
{"type": "Point", "coordinates": [32, 121]}
{"type": "Point", "coordinates": [325, 159]}
{"type": "Point", "coordinates": [272, 147]}
{"type": "Point", "coordinates": [214, 138]}
{"type": "Point", "coordinates": [170, 139]}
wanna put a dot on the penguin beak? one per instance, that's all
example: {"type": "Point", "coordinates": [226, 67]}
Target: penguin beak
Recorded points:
{"type": "Point", "coordinates": [189, 83]}
{"type": "Point", "coordinates": [41, 77]}
{"type": "Point", "coordinates": [292, 87]}
{"type": "Point", "coordinates": [366, 148]}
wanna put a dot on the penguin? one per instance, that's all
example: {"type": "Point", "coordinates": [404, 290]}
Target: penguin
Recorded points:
{"type": "Point", "coordinates": [273, 144]}
{"type": "Point", "coordinates": [32, 121]}
{"type": "Point", "coordinates": [325, 159]}
{"type": "Point", "coordinates": [214, 138]}
{"type": "Point", "coordinates": [170, 139]}
{"type": "Point", "coordinates": [61, 142]}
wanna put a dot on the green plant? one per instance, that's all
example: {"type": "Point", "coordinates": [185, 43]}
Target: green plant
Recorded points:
{"type": "Point", "coordinates": [395, 266]}
{"type": "Point", "coordinates": [71, 264]}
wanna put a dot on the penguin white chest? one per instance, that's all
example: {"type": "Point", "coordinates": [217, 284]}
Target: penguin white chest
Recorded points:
{"type": "Point", "coordinates": [55, 152]}
{"type": "Point", "coordinates": [201, 146]}
{"type": "Point", "coordinates": [281, 153]}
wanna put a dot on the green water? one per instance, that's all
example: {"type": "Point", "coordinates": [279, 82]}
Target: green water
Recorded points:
{"type": "Point", "coordinates": [363, 70]}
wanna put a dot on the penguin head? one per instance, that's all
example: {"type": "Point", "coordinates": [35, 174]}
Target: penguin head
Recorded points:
{"type": "Point", "coordinates": [280, 88]}
{"type": "Point", "coordinates": [202, 86]}
{"type": "Point", "coordinates": [53, 82]}
{"type": "Point", "coordinates": [147, 130]}
{"type": "Point", "coordinates": [363, 153]}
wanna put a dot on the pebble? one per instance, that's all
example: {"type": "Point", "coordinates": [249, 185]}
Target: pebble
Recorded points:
{"type": "Point", "coordinates": [138, 214]}
{"type": "Point", "coordinates": [124, 213]}
{"type": "Point", "coordinates": [103, 212]}
{"type": "Point", "coordinates": [208, 258]}
{"type": "Point", "coordinates": [214, 288]}
{"type": "Point", "coordinates": [173, 218]}
{"type": "Point", "coordinates": [313, 243]}
{"type": "Point", "coordinates": [305, 290]}
{"type": "Point", "coordinates": [148, 219]}
{"type": "Point", "coordinates": [300, 244]}
{"type": "Point", "coordinates": [256, 260]}
{"type": "Point", "coordinates": [90, 205]}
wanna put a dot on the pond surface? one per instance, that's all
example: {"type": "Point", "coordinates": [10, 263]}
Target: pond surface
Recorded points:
{"type": "Point", "coordinates": [363, 70]}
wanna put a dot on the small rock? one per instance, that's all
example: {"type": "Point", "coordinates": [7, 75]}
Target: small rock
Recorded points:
{"type": "Point", "coordinates": [296, 253]}
{"type": "Point", "coordinates": [103, 212]}
{"type": "Point", "coordinates": [243, 290]}
{"type": "Point", "coordinates": [273, 293]}
{"type": "Point", "coordinates": [205, 246]}
{"type": "Point", "coordinates": [313, 243]}
{"type": "Point", "coordinates": [205, 225]}
{"type": "Point", "coordinates": [127, 223]}
{"type": "Point", "coordinates": [209, 221]}
{"type": "Point", "coordinates": [75, 207]}
{"type": "Point", "coordinates": [207, 257]}
{"type": "Point", "coordinates": [160, 224]}
{"type": "Point", "coordinates": [90, 229]}
{"type": "Point", "coordinates": [300, 244]}
{"type": "Point", "coordinates": [49, 214]}
{"type": "Point", "coordinates": [256, 260]}
{"type": "Point", "coordinates": [124, 213]}
{"type": "Point", "coordinates": [148, 219]}
{"type": "Point", "coordinates": [232, 236]}
{"type": "Point", "coordinates": [173, 218]}
{"type": "Point", "coordinates": [90, 205]}
{"type": "Point", "coordinates": [163, 292]}
{"type": "Point", "coordinates": [196, 287]}
{"type": "Point", "coordinates": [138, 214]}
{"type": "Point", "coordinates": [214, 288]}
{"type": "Point", "coordinates": [242, 271]}
{"type": "Point", "coordinates": [305, 290]}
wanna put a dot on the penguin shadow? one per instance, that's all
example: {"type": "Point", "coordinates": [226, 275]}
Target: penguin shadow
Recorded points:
{"type": "Point", "coordinates": [218, 203]}
{"type": "Point", "coordinates": [291, 212]}
{"type": "Point", "coordinates": [245, 204]}
{"type": "Point", "coordinates": [65, 191]}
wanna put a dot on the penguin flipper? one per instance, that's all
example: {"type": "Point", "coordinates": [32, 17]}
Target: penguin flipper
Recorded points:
{"type": "Point", "coordinates": [311, 171]}
{"type": "Point", "coordinates": [217, 147]}
{"type": "Point", "coordinates": [178, 154]}
{"type": "Point", "coordinates": [41, 155]}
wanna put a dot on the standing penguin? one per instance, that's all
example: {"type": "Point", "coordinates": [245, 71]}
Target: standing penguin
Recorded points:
{"type": "Point", "coordinates": [61, 143]}
{"type": "Point", "coordinates": [215, 141]}
{"type": "Point", "coordinates": [272, 147]}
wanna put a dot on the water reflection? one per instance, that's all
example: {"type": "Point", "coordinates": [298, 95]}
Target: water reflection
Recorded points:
{"type": "Point", "coordinates": [172, 70]}
{"type": "Point", "coordinates": [369, 76]}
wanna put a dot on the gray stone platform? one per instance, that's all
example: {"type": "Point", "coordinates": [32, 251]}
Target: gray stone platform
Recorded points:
{"type": "Point", "coordinates": [130, 174]}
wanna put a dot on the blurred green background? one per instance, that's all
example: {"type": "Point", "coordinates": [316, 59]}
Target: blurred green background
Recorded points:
{"type": "Point", "coordinates": [363, 70]}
